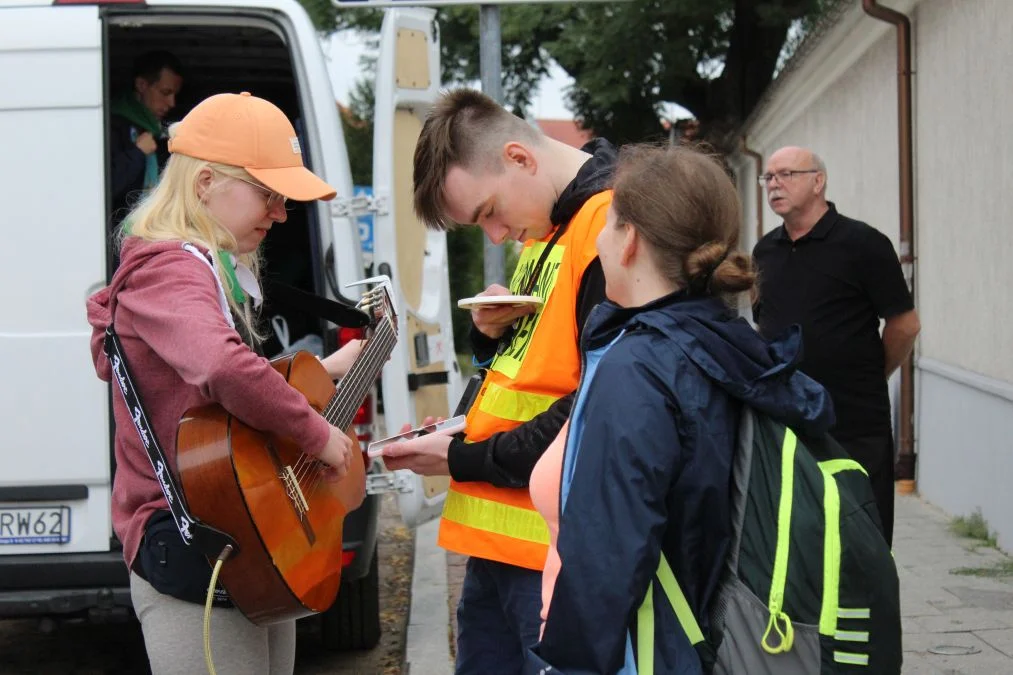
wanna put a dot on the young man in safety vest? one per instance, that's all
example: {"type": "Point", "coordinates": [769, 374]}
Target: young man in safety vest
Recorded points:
{"type": "Point", "coordinates": [478, 164]}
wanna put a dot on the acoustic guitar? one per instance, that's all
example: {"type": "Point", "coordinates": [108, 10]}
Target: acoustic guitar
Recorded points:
{"type": "Point", "coordinates": [270, 496]}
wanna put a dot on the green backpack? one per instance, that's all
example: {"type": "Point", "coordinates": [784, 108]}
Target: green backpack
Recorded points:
{"type": "Point", "coordinates": [810, 586]}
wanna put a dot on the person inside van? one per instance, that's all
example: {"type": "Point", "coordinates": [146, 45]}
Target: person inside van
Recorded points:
{"type": "Point", "coordinates": [639, 483]}
{"type": "Point", "coordinates": [182, 303]}
{"type": "Point", "coordinates": [136, 127]}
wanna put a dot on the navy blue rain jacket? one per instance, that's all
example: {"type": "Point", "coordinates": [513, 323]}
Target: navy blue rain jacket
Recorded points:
{"type": "Point", "coordinates": [648, 468]}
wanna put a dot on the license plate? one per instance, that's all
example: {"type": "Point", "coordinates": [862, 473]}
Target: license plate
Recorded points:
{"type": "Point", "coordinates": [35, 525]}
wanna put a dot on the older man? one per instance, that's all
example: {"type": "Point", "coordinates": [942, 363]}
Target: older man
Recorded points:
{"type": "Point", "coordinates": [837, 277]}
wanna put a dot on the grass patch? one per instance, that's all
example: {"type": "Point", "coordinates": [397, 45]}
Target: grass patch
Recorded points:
{"type": "Point", "coordinates": [998, 570]}
{"type": "Point", "coordinates": [975, 527]}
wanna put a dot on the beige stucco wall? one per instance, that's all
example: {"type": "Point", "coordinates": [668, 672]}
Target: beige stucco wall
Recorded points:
{"type": "Point", "coordinates": [963, 94]}
{"type": "Point", "coordinates": [853, 127]}
{"type": "Point", "coordinates": [964, 159]}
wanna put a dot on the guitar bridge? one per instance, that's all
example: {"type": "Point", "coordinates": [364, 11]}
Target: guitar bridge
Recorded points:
{"type": "Point", "coordinates": [294, 490]}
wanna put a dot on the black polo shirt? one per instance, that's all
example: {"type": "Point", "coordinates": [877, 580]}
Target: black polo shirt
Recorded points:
{"type": "Point", "coordinates": [837, 281]}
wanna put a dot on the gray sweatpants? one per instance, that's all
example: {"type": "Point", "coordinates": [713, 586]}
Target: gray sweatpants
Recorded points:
{"type": "Point", "coordinates": [174, 637]}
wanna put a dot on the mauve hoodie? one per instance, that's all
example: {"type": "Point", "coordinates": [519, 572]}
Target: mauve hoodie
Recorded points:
{"type": "Point", "coordinates": [181, 353]}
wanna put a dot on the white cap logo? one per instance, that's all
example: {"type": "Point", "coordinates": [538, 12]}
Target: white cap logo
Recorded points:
{"type": "Point", "coordinates": [296, 150]}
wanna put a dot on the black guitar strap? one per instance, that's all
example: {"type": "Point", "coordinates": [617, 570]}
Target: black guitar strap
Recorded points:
{"type": "Point", "coordinates": [209, 540]}
{"type": "Point", "coordinates": [337, 313]}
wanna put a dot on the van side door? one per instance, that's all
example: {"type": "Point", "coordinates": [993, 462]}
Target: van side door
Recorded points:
{"type": "Point", "coordinates": [422, 378]}
{"type": "Point", "coordinates": [56, 463]}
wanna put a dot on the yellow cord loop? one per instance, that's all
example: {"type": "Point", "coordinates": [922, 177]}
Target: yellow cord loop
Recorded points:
{"type": "Point", "coordinates": [207, 608]}
{"type": "Point", "coordinates": [787, 634]}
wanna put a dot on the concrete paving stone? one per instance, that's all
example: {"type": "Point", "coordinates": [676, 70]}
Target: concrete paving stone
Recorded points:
{"type": "Point", "coordinates": [1001, 640]}
{"type": "Point", "coordinates": [923, 554]}
{"type": "Point", "coordinates": [916, 664]}
{"type": "Point", "coordinates": [985, 598]}
{"type": "Point", "coordinates": [912, 608]}
{"type": "Point", "coordinates": [964, 619]}
{"type": "Point", "coordinates": [908, 626]}
{"type": "Point", "coordinates": [941, 599]}
{"type": "Point", "coordinates": [987, 661]}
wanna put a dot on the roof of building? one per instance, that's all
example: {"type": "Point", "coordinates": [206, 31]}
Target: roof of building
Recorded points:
{"type": "Point", "coordinates": [565, 131]}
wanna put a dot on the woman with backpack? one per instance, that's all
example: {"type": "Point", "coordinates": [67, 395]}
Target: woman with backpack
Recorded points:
{"type": "Point", "coordinates": [638, 488]}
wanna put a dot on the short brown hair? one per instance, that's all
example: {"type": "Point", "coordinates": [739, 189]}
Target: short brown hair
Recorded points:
{"type": "Point", "coordinates": [684, 205]}
{"type": "Point", "coordinates": [464, 128]}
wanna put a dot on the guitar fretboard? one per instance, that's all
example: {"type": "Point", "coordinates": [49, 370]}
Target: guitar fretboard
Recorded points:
{"type": "Point", "coordinates": [352, 389]}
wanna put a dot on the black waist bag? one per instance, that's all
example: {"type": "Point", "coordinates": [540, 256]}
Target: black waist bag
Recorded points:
{"type": "Point", "coordinates": [172, 567]}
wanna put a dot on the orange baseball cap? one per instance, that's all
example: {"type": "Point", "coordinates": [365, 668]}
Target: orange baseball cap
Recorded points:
{"type": "Point", "coordinates": [252, 133]}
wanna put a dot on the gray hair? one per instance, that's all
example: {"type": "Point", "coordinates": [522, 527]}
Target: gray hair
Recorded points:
{"type": "Point", "coordinates": [821, 166]}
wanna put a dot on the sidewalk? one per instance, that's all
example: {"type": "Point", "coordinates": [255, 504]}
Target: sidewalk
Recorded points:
{"type": "Point", "coordinates": [954, 623]}
{"type": "Point", "coordinates": [947, 615]}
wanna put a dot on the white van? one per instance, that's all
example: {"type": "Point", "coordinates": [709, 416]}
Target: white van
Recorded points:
{"type": "Point", "coordinates": [60, 63]}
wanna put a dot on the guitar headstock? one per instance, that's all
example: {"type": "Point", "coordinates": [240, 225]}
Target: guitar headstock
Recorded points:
{"type": "Point", "coordinates": [378, 302]}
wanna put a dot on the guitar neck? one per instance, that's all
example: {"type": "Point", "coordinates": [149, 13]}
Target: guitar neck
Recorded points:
{"type": "Point", "coordinates": [354, 386]}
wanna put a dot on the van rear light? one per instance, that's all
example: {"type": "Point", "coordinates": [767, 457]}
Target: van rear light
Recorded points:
{"type": "Point", "coordinates": [363, 420]}
{"type": "Point", "coordinates": [346, 335]}
{"type": "Point", "coordinates": [347, 557]}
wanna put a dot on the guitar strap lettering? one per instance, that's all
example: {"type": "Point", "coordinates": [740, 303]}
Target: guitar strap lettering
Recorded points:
{"type": "Point", "coordinates": [139, 414]}
{"type": "Point", "coordinates": [209, 540]}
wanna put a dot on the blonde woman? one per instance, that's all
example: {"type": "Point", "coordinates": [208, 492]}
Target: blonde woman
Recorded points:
{"type": "Point", "coordinates": [182, 302]}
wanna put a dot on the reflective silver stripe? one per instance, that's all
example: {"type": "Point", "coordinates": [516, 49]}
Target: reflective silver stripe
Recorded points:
{"type": "Point", "coordinates": [843, 613]}
{"type": "Point", "coordinates": [852, 635]}
{"type": "Point", "coordinates": [851, 659]}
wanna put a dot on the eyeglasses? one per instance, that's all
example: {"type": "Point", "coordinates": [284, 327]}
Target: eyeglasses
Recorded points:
{"type": "Point", "coordinates": [272, 196]}
{"type": "Point", "coordinates": [781, 176]}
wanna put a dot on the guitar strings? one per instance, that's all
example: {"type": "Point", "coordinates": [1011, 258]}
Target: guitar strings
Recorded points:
{"type": "Point", "coordinates": [306, 464]}
{"type": "Point", "coordinates": [345, 395]}
{"type": "Point", "coordinates": [375, 354]}
{"type": "Point", "coordinates": [371, 361]}
{"type": "Point", "coordinates": [376, 351]}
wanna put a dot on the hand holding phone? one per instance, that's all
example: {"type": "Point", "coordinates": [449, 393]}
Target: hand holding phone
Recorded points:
{"type": "Point", "coordinates": [446, 428]}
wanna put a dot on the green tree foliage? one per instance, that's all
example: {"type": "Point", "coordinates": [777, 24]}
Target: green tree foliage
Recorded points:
{"type": "Point", "coordinates": [713, 57]}
{"type": "Point", "coordinates": [357, 121]}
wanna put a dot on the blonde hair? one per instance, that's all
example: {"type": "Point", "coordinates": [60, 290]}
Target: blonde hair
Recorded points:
{"type": "Point", "coordinates": [173, 211]}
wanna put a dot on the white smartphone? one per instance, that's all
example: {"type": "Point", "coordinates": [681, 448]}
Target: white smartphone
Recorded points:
{"type": "Point", "coordinates": [500, 301]}
{"type": "Point", "coordinates": [446, 427]}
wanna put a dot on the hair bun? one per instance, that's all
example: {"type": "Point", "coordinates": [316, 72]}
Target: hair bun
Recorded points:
{"type": "Point", "coordinates": [701, 263]}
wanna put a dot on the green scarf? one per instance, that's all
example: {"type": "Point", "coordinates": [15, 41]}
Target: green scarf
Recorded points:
{"type": "Point", "coordinates": [128, 107]}
{"type": "Point", "coordinates": [229, 264]}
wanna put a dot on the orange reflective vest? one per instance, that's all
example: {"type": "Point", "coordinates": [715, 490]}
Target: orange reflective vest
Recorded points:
{"type": "Point", "coordinates": [541, 365]}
